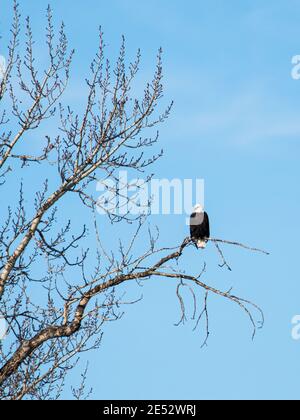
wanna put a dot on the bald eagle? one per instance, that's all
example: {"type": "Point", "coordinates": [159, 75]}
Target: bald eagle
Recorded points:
{"type": "Point", "coordinates": [199, 226]}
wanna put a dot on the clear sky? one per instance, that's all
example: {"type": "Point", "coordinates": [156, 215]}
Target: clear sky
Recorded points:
{"type": "Point", "coordinates": [235, 123]}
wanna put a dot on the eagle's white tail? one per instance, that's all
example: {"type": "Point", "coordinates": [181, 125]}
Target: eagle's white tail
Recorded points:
{"type": "Point", "coordinates": [201, 243]}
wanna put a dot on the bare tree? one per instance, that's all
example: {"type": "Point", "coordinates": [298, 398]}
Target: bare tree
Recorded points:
{"type": "Point", "coordinates": [55, 316]}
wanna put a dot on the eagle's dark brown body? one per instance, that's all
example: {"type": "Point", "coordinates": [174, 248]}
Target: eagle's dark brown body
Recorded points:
{"type": "Point", "coordinates": [199, 228]}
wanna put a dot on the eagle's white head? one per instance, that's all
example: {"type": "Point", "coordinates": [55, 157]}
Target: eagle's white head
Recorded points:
{"type": "Point", "coordinates": [198, 208]}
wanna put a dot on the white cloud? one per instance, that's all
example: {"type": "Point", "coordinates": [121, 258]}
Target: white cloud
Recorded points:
{"type": "Point", "coordinates": [252, 117]}
{"type": "Point", "coordinates": [244, 118]}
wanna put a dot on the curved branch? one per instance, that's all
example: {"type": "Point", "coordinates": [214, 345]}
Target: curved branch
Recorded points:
{"type": "Point", "coordinates": [223, 241]}
{"type": "Point", "coordinates": [52, 332]}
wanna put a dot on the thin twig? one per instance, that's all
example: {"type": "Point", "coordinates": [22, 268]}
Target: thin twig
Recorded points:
{"type": "Point", "coordinates": [223, 258]}
{"type": "Point", "coordinates": [223, 241]}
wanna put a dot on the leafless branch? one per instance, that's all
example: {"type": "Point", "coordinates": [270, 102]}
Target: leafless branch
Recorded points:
{"type": "Point", "coordinates": [60, 281]}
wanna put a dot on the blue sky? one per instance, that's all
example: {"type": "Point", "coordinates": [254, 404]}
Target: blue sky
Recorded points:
{"type": "Point", "coordinates": [235, 123]}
